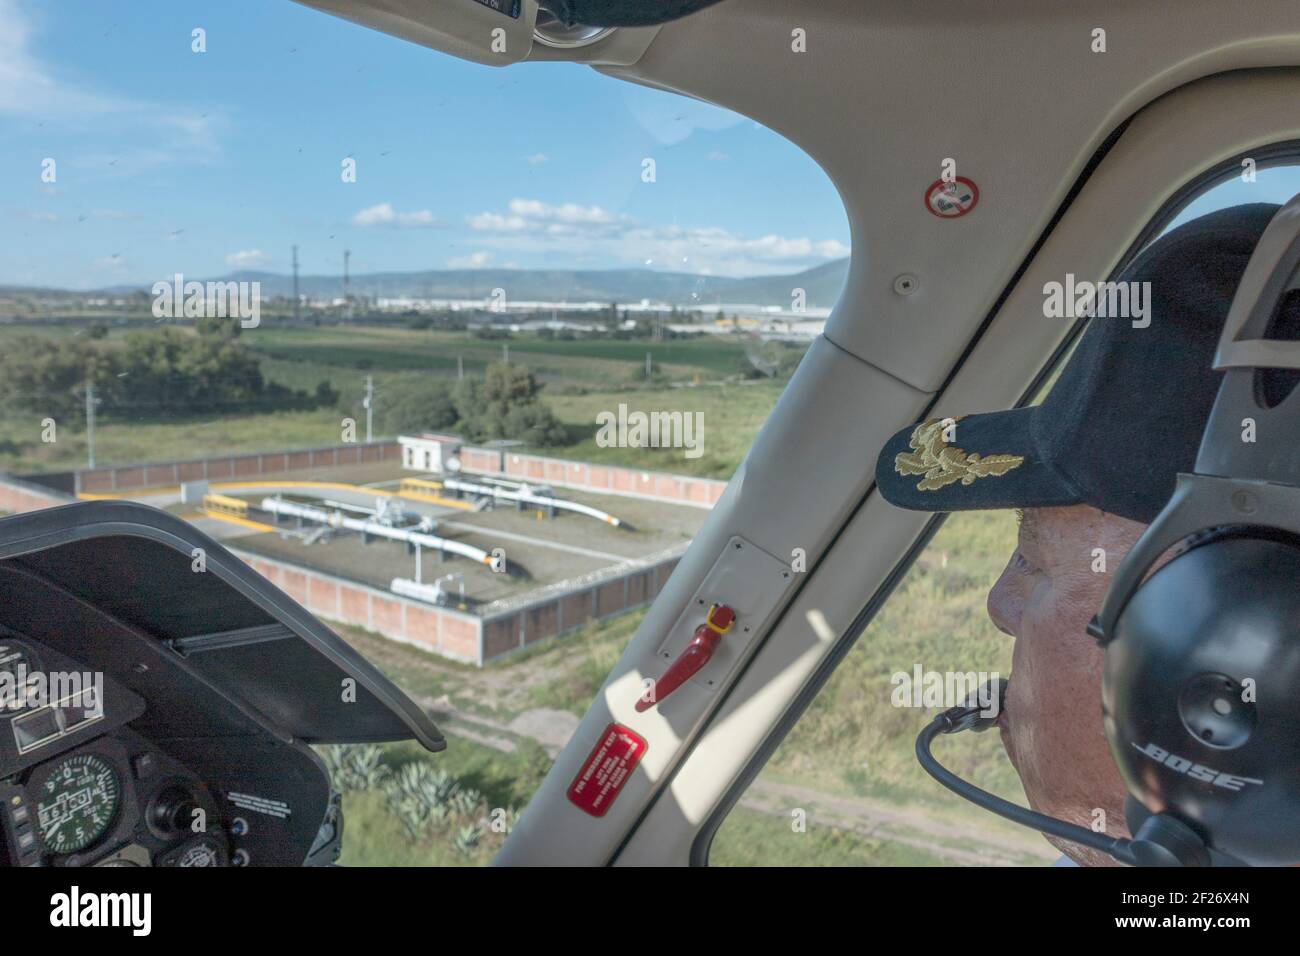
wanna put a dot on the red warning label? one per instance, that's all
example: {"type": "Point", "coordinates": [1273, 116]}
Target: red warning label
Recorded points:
{"type": "Point", "coordinates": [606, 769]}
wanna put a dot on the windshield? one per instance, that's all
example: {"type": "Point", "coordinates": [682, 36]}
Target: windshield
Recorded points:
{"type": "Point", "coordinates": [459, 358]}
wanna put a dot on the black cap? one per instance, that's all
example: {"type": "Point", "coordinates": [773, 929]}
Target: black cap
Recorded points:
{"type": "Point", "coordinates": [1125, 416]}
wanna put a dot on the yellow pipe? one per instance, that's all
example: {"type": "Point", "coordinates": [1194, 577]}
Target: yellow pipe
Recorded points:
{"type": "Point", "coordinates": [242, 522]}
{"type": "Point", "coordinates": [439, 500]}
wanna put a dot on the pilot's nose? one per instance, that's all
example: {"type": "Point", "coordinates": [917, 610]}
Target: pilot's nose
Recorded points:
{"type": "Point", "coordinates": [1005, 601]}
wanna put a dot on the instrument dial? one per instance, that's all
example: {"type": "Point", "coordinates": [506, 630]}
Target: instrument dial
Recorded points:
{"type": "Point", "coordinates": [200, 853]}
{"type": "Point", "coordinates": [77, 800]}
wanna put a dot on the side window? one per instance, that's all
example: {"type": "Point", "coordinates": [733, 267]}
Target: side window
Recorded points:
{"type": "Point", "coordinates": [844, 786]}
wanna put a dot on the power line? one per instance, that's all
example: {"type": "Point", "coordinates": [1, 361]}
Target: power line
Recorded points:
{"type": "Point", "coordinates": [368, 403]}
{"type": "Point", "coordinates": [347, 296]}
{"type": "Point", "coordinates": [91, 401]}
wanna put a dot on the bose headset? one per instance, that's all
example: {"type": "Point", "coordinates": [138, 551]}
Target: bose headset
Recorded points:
{"type": "Point", "coordinates": [1201, 680]}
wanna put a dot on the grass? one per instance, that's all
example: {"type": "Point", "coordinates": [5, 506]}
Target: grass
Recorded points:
{"type": "Point", "coordinates": [120, 442]}
{"type": "Point", "coordinates": [732, 413]}
{"type": "Point", "coordinates": [752, 838]}
{"type": "Point", "coordinates": [391, 349]}
{"type": "Point", "coordinates": [583, 378]}
{"type": "Point", "coordinates": [852, 739]}
{"type": "Point", "coordinates": [374, 836]}
{"type": "Point", "coordinates": [590, 653]}
{"type": "Point", "coordinates": [339, 353]}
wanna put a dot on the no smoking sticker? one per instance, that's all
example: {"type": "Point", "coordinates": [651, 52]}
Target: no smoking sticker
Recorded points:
{"type": "Point", "coordinates": [949, 200]}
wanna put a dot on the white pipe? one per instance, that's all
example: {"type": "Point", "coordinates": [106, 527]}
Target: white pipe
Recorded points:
{"type": "Point", "coordinates": [336, 519]}
{"type": "Point", "coordinates": [456, 484]}
{"type": "Point", "coordinates": [432, 593]}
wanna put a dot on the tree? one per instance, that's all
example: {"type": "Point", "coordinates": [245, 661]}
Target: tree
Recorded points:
{"type": "Point", "coordinates": [408, 406]}
{"type": "Point", "coordinates": [46, 377]}
{"type": "Point", "coordinates": [507, 404]}
{"type": "Point", "coordinates": [167, 369]}
{"type": "Point", "coordinates": [158, 371]}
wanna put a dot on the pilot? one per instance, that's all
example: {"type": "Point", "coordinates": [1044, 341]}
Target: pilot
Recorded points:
{"type": "Point", "coordinates": [1086, 471]}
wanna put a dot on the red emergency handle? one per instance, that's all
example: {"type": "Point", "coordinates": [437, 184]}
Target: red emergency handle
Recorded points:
{"type": "Point", "coordinates": [697, 653]}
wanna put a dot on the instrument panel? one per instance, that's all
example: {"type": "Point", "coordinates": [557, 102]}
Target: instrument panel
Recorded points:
{"type": "Point", "coordinates": [88, 790]}
{"type": "Point", "coordinates": [157, 714]}
{"type": "Point", "coordinates": [116, 801]}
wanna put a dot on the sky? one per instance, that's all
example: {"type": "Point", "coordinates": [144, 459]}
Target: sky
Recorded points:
{"type": "Point", "coordinates": [167, 160]}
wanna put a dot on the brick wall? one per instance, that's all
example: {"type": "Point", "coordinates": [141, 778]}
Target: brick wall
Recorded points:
{"type": "Point", "coordinates": [560, 613]}
{"type": "Point", "coordinates": [20, 496]}
{"type": "Point", "coordinates": [450, 633]}
{"type": "Point", "coordinates": [605, 479]}
{"type": "Point", "coordinates": [228, 467]}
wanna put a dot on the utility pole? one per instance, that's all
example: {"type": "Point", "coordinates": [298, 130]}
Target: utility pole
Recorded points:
{"type": "Point", "coordinates": [91, 401]}
{"type": "Point", "coordinates": [368, 403]}
{"type": "Point", "coordinates": [460, 367]}
{"type": "Point", "coordinates": [647, 365]}
{"type": "Point", "coordinates": [347, 296]}
{"type": "Point", "coordinates": [505, 354]}
{"type": "Point", "coordinates": [296, 300]}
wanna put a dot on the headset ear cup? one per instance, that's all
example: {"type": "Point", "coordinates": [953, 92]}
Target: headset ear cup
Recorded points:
{"type": "Point", "coordinates": [1198, 694]}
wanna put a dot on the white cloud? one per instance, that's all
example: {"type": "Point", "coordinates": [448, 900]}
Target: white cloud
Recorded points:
{"type": "Point", "coordinates": [384, 214]}
{"type": "Point", "coordinates": [245, 258]}
{"type": "Point", "coordinates": [475, 260]}
{"type": "Point", "coordinates": [577, 232]}
{"type": "Point", "coordinates": [532, 216]}
{"type": "Point", "coordinates": [716, 156]}
{"type": "Point", "coordinates": [537, 159]}
{"type": "Point", "coordinates": [26, 84]}
{"type": "Point", "coordinates": [30, 87]}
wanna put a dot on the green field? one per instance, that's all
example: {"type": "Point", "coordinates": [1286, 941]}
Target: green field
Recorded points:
{"type": "Point", "coordinates": [580, 361]}
{"type": "Point", "coordinates": [581, 378]}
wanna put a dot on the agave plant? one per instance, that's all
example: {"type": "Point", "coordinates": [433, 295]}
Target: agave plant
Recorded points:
{"type": "Point", "coordinates": [467, 839]}
{"type": "Point", "coordinates": [423, 796]}
{"type": "Point", "coordinates": [500, 819]}
{"type": "Point", "coordinates": [354, 768]}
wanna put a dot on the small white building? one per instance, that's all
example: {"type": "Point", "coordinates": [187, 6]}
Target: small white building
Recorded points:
{"type": "Point", "coordinates": [429, 451]}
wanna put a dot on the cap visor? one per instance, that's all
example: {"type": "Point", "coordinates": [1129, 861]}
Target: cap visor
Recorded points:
{"type": "Point", "coordinates": [976, 462]}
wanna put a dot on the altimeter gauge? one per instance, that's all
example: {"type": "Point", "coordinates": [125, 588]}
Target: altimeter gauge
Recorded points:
{"type": "Point", "coordinates": [77, 799]}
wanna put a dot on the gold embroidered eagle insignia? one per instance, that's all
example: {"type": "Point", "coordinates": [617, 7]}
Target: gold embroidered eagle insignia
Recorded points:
{"type": "Point", "coordinates": [942, 464]}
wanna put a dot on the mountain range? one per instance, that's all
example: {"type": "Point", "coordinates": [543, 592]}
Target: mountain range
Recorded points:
{"type": "Point", "coordinates": [821, 284]}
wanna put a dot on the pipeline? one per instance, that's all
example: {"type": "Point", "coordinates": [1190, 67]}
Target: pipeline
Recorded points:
{"type": "Point", "coordinates": [336, 519]}
{"type": "Point", "coordinates": [560, 504]}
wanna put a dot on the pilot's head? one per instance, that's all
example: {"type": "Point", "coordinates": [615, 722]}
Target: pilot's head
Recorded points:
{"type": "Point", "coordinates": [1086, 471]}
